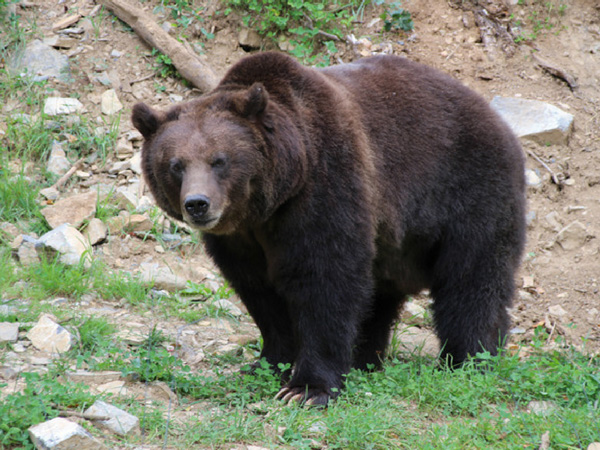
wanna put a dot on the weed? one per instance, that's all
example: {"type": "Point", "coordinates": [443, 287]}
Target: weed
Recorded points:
{"type": "Point", "coordinates": [395, 17]}
{"type": "Point", "coordinates": [41, 400]}
{"type": "Point", "coordinates": [164, 65]}
{"type": "Point", "coordinates": [93, 332]}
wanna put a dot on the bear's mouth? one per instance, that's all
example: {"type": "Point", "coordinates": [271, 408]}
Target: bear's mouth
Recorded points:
{"type": "Point", "coordinates": [204, 223]}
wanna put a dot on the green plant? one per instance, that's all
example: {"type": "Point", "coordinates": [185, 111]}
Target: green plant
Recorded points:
{"type": "Point", "coordinates": [42, 399]}
{"type": "Point", "coordinates": [308, 23]}
{"type": "Point", "coordinates": [396, 18]}
{"type": "Point", "coordinates": [164, 66]}
{"type": "Point", "coordinates": [93, 332]}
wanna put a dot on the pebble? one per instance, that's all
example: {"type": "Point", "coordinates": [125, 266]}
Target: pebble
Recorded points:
{"type": "Point", "coordinates": [58, 164]}
{"type": "Point", "coordinates": [69, 243]}
{"type": "Point", "coordinates": [110, 103]}
{"type": "Point", "coordinates": [73, 210]}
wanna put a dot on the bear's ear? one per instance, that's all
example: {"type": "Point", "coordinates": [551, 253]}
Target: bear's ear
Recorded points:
{"type": "Point", "coordinates": [145, 119]}
{"type": "Point", "coordinates": [253, 102]}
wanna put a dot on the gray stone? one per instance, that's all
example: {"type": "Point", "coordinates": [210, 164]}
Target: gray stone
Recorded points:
{"type": "Point", "coordinates": [573, 236]}
{"type": "Point", "coordinates": [54, 106]}
{"type": "Point", "coordinates": [161, 277]}
{"type": "Point", "coordinates": [50, 193]}
{"type": "Point", "coordinates": [69, 243]}
{"type": "Point", "coordinates": [125, 198]}
{"type": "Point", "coordinates": [532, 178]}
{"type": "Point", "coordinates": [96, 232]}
{"type": "Point", "coordinates": [73, 210]}
{"type": "Point", "coordinates": [27, 250]}
{"type": "Point", "coordinates": [62, 434]}
{"type": "Point", "coordinates": [58, 164]}
{"type": "Point", "coordinates": [120, 422]}
{"type": "Point", "coordinates": [9, 332]}
{"type": "Point", "coordinates": [119, 166]}
{"type": "Point", "coordinates": [534, 120]}
{"type": "Point", "coordinates": [85, 377]}
{"type": "Point", "coordinates": [110, 103]}
{"type": "Point", "coordinates": [41, 62]}
{"type": "Point", "coordinates": [48, 336]}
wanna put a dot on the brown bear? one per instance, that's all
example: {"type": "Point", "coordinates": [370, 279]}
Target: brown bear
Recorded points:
{"type": "Point", "coordinates": [326, 196]}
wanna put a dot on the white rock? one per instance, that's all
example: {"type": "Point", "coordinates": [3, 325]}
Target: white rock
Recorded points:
{"type": "Point", "coordinates": [110, 103]}
{"type": "Point", "coordinates": [96, 231]}
{"type": "Point", "coordinates": [162, 277]}
{"type": "Point", "coordinates": [69, 243]}
{"type": "Point", "coordinates": [58, 164]}
{"type": "Point", "coordinates": [85, 377]}
{"type": "Point", "coordinates": [119, 166]}
{"type": "Point", "coordinates": [136, 163]}
{"type": "Point", "coordinates": [413, 313]}
{"type": "Point", "coordinates": [226, 305]}
{"type": "Point", "coordinates": [594, 446]}
{"type": "Point", "coordinates": [55, 106]}
{"type": "Point", "coordinates": [120, 422]}
{"type": "Point", "coordinates": [532, 179]}
{"type": "Point", "coordinates": [9, 332]}
{"type": "Point", "coordinates": [50, 193]}
{"type": "Point", "coordinates": [573, 236]}
{"type": "Point", "coordinates": [73, 210]}
{"type": "Point", "coordinates": [541, 408]}
{"type": "Point", "coordinates": [535, 120]}
{"type": "Point", "coordinates": [49, 336]}
{"type": "Point", "coordinates": [125, 198]}
{"type": "Point", "coordinates": [62, 434]}
{"type": "Point", "coordinates": [557, 310]}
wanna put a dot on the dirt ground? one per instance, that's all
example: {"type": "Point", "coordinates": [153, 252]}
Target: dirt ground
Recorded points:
{"type": "Point", "coordinates": [447, 37]}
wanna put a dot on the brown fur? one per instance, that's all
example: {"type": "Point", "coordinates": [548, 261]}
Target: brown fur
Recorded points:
{"type": "Point", "coordinates": [327, 196]}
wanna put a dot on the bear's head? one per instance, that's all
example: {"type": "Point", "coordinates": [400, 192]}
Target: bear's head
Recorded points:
{"type": "Point", "coordinates": [209, 162]}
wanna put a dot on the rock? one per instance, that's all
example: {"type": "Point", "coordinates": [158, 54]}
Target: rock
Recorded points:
{"type": "Point", "coordinates": [116, 387]}
{"type": "Point", "coordinates": [249, 38]}
{"type": "Point", "coordinates": [594, 446]}
{"type": "Point", "coordinates": [241, 339]}
{"type": "Point", "coordinates": [540, 408]}
{"type": "Point", "coordinates": [9, 230]}
{"type": "Point", "coordinates": [49, 336]}
{"type": "Point", "coordinates": [534, 120]}
{"type": "Point", "coordinates": [110, 103]}
{"type": "Point", "coordinates": [125, 198]}
{"type": "Point", "coordinates": [85, 377]}
{"type": "Point", "coordinates": [162, 277]}
{"type": "Point", "coordinates": [96, 232]}
{"type": "Point", "coordinates": [120, 422]}
{"type": "Point", "coordinates": [557, 310]}
{"type": "Point", "coordinates": [135, 163]}
{"type": "Point", "coordinates": [138, 223]}
{"type": "Point", "coordinates": [418, 340]}
{"type": "Point", "coordinates": [27, 251]}
{"type": "Point", "coordinates": [62, 434]}
{"type": "Point", "coordinates": [55, 106]}
{"type": "Point", "coordinates": [9, 332]}
{"type": "Point", "coordinates": [532, 179]}
{"type": "Point", "coordinates": [69, 243]}
{"type": "Point", "coordinates": [58, 164]}
{"type": "Point", "coordinates": [124, 148]}
{"type": "Point", "coordinates": [573, 236]}
{"type": "Point", "coordinates": [73, 210]}
{"type": "Point", "coordinates": [50, 193]}
{"type": "Point", "coordinates": [119, 166]}
{"type": "Point", "coordinates": [229, 307]}
{"type": "Point", "coordinates": [41, 62]}
{"type": "Point", "coordinates": [413, 314]}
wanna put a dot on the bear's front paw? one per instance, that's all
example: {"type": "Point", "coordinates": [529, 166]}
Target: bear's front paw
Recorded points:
{"type": "Point", "coordinates": [304, 396]}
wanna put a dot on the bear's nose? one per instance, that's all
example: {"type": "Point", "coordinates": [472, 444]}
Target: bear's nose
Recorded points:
{"type": "Point", "coordinates": [196, 205]}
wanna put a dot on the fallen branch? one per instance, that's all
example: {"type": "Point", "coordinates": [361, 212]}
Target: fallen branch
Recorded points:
{"type": "Point", "coordinates": [556, 71]}
{"type": "Point", "coordinates": [541, 161]}
{"type": "Point", "coordinates": [188, 64]}
{"type": "Point", "coordinates": [62, 180]}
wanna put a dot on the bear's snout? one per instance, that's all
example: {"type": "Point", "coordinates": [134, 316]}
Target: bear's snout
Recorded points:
{"type": "Point", "coordinates": [196, 206]}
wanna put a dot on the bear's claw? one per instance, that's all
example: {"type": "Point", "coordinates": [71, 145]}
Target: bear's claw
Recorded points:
{"type": "Point", "coordinates": [303, 396]}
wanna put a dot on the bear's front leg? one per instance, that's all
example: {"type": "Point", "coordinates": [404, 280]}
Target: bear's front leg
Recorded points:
{"type": "Point", "coordinates": [327, 294]}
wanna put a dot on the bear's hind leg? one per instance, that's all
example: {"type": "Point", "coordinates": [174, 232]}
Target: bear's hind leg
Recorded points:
{"type": "Point", "coordinates": [374, 335]}
{"type": "Point", "coordinates": [470, 309]}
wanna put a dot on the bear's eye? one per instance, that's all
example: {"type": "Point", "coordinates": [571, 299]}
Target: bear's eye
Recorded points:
{"type": "Point", "coordinates": [176, 167]}
{"type": "Point", "coordinates": [218, 162]}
